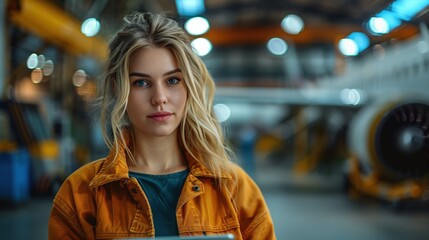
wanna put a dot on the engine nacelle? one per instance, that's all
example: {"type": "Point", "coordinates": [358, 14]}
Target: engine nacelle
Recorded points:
{"type": "Point", "coordinates": [392, 138]}
{"type": "Point", "coordinates": [389, 142]}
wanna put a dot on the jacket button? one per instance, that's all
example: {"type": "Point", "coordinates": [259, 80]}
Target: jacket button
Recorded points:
{"type": "Point", "coordinates": [196, 188]}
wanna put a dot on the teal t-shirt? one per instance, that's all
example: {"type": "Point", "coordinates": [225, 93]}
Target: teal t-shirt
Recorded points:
{"type": "Point", "coordinates": [163, 192]}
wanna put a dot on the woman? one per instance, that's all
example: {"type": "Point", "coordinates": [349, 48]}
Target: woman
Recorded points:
{"type": "Point", "coordinates": [168, 172]}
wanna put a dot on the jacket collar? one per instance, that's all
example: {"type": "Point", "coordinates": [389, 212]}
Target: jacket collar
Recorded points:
{"type": "Point", "coordinates": [200, 170]}
{"type": "Point", "coordinates": [115, 167]}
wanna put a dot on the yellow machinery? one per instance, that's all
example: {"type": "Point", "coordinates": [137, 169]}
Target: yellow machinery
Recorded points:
{"type": "Point", "coordinates": [25, 134]}
{"type": "Point", "coordinates": [51, 23]}
{"type": "Point", "coordinates": [389, 143]}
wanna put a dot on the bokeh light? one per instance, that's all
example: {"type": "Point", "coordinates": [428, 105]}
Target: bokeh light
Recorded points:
{"type": "Point", "coordinates": [36, 75]}
{"type": "Point", "coordinates": [222, 112]}
{"type": "Point", "coordinates": [277, 46]}
{"type": "Point", "coordinates": [197, 26]}
{"type": "Point", "coordinates": [348, 47]}
{"type": "Point", "coordinates": [90, 27]}
{"type": "Point", "coordinates": [79, 78]}
{"type": "Point", "coordinates": [32, 61]}
{"type": "Point", "coordinates": [201, 46]}
{"type": "Point", "coordinates": [292, 24]}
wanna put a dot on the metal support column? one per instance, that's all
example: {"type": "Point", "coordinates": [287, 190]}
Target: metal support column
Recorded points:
{"type": "Point", "coordinates": [2, 47]}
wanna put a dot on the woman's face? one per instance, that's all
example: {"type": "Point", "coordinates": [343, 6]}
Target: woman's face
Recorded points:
{"type": "Point", "coordinates": [157, 97]}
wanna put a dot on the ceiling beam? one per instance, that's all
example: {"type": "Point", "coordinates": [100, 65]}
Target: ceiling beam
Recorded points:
{"type": "Point", "coordinates": [251, 35]}
{"type": "Point", "coordinates": [49, 22]}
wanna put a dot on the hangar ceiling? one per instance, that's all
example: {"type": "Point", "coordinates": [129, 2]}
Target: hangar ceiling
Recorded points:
{"type": "Point", "coordinates": [238, 22]}
{"type": "Point", "coordinates": [239, 31]}
{"type": "Point", "coordinates": [245, 22]}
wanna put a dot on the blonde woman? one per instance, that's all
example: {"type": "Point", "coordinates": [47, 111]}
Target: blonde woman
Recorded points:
{"type": "Point", "coordinates": [168, 172]}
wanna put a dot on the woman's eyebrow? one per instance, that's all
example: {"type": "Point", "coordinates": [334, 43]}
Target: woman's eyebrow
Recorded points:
{"type": "Point", "coordinates": [172, 71]}
{"type": "Point", "coordinates": [137, 74]}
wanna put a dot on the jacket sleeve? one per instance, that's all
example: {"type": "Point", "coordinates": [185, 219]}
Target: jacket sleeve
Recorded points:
{"type": "Point", "coordinates": [63, 222]}
{"type": "Point", "coordinates": [73, 210]}
{"type": "Point", "coordinates": [254, 215]}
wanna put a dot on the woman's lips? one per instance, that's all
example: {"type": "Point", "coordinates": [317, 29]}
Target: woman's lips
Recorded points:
{"type": "Point", "coordinates": [161, 116]}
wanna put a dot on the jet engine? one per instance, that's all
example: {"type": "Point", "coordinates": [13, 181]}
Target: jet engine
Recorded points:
{"type": "Point", "coordinates": [389, 143]}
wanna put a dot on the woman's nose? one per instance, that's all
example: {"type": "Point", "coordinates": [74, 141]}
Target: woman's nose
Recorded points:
{"type": "Point", "coordinates": [159, 96]}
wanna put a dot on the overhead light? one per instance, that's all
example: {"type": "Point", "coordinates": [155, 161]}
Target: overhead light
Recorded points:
{"type": "Point", "coordinates": [90, 27]}
{"type": "Point", "coordinates": [197, 26]}
{"type": "Point", "coordinates": [32, 61]}
{"type": "Point", "coordinates": [79, 78]}
{"type": "Point", "coordinates": [36, 75]}
{"type": "Point", "coordinates": [361, 40]}
{"type": "Point", "coordinates": [384, 22]}
{"type": "Point", "coordinates": [48, 68]}
{"type": "Point", "coordinates": [350, 96]}
{"type": "Point", "coordinates": [406, 9]}
{"type": "Point", "coordinates": [201, 46]}
{"type": "Point", "coordinates": [395, 14]}
{"type": "Point", "coordinates": [190, 7]}
{"type": "Point", "coordinates": [292, 24]}
{"type": "Point", "coordinates": [222, 112]}
{"type": "Point", "coordinates": [378, 25]}
{"type": "Point", "coordinates": [40, 61]}
{"type": "Point", "coordinates": [277, 46]}
{"type": "Point", "coordinates": [348, 47]}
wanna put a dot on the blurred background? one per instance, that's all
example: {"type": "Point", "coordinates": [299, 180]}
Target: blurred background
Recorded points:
{"type": "Point", "coordinates": [325, 104]}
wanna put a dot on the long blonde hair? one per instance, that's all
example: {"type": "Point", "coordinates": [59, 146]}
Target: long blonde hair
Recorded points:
{"type": "Point", "coordinates": [200, 134]}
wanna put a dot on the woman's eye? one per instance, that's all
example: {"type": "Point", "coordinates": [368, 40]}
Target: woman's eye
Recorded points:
{"type": "Point", "coordinates": [140, 83]}
{"type": "Point", "coordinates": [173, 81]}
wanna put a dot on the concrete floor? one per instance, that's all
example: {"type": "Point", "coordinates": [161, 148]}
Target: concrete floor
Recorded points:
{"type": "Point", "coordinates": [310, 216]}
{"type": "Point", "coordinates": [316, 207]}
{"type": "Point", "coordinates": [301, 210]}
{"type": "Point", "coordinates": [28, 221]}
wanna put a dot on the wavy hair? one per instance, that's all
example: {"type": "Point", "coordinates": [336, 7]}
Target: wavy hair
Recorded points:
{"type": "Point", "coordinates": [200, 134]}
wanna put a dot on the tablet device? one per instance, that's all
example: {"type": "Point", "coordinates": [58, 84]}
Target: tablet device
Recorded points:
{"type": "Point", "coordinates": [212, 237]}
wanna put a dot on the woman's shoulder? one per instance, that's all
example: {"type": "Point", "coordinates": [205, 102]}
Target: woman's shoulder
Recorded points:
{"type": "Point", "coordinates": [237, 171]}
{"type": "Point", "coordinates": [75, 194]}
{"type": "Point", "coordinates": [85, 173]}
{"type": "Point", "coordinates": [238, 176]}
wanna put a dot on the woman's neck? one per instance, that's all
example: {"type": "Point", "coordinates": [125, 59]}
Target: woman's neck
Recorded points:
{"type": "Point", "coordinates": [157, 155]}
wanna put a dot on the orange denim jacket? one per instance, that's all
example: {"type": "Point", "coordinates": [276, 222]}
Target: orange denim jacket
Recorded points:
{"type": "Point", "coordinates": [100, 201]}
